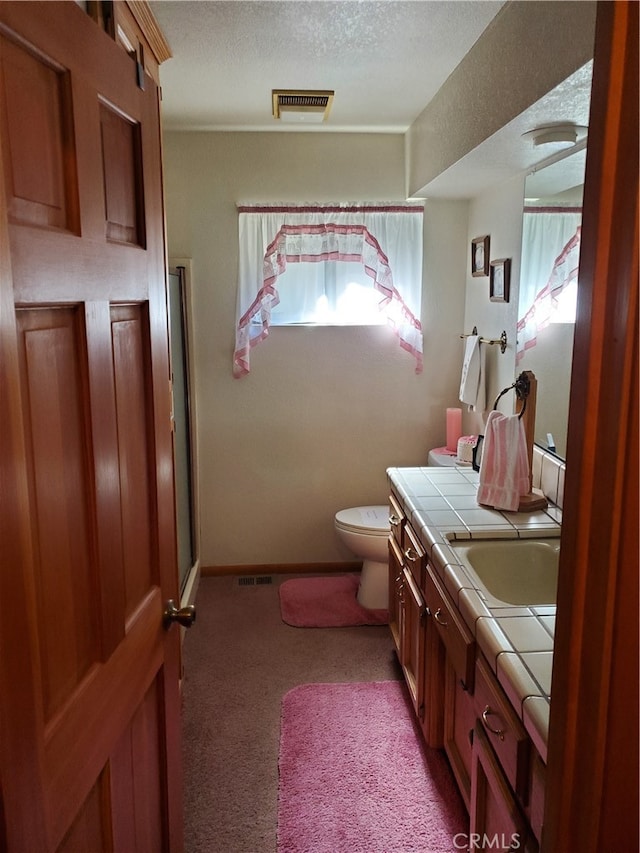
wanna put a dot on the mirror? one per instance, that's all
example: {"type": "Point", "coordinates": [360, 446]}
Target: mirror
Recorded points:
{"type": "Point", "coordinates": [548, 289]}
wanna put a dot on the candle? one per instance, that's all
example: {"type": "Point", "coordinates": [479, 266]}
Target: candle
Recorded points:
{"type": "Point", "coordinates": [454, 428]}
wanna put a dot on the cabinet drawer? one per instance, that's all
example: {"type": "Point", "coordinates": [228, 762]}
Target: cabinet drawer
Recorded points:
{"type": "Point", "coordinates": [397, 519]}
{"type": "Point", "coordinates": [413, 555]}
{"type": "Point", "coordinates": [458, 640]}
{"type": "Point", "coordinates": [504, 730]}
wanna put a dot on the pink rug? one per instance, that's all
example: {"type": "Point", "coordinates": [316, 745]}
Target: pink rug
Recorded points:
{"type": "Point", "coordinates": [355, 776]}
{"type": "Point", "coordinates": [326, 602]}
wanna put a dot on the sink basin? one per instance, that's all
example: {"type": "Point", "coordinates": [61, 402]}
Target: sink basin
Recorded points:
{"type": "Point", "coordinates": [512, 571]}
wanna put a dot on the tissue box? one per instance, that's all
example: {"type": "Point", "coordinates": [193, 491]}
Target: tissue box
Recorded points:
{"type": "Point", "coordinates": [466, 445]}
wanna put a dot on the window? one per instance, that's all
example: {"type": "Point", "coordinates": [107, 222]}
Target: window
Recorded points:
{"type": "Point", "coordinates": [549, 271]}
{"type": "Point", "coordinates": [327, 293]}
{"type": "Point", "coordinates": [341, 264]}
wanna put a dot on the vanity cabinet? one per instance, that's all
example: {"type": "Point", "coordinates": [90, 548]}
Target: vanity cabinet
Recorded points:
{"type": "Point", "coordinates": [415, 640]}
{"type": "Point", "coordinates": [452, 629]}
{"type": "Point", "coordinates": [397, 521]}
{"type": "Point", "coordinates": [459, 702]}
{"type": "Point", "coordinates": [407, 611]}
{"type": "Point", "coordinates": [412, 649]}
{"type": "Point", "coordinates": [458, 649]}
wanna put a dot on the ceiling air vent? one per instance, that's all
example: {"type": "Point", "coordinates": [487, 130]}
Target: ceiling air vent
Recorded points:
{"type": "Point", "coordinates": [305, 106]}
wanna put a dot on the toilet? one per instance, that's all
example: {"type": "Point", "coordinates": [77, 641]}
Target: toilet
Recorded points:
{"type": "Point", "coordinates": [365, 532]}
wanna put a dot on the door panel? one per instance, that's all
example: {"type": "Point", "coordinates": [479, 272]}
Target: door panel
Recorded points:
{"type": "Point", "coordinates": [130, 355]}
{"type": "Point", "coordinates": [90, 829]}
{"type": "Point", "coordinates": [89, 698]}
{"type": "Point", "coordinates": [136, 765]}
{"type": "Point", "coordinates": [121, 165]}
{"type": "Point", "coordinates": [56, 436]}
{"type": "Point", "coordinates": [36, 122]}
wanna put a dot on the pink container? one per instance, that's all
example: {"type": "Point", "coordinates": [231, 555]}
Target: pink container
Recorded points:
{"type": "Point", "coordinates": [454, 428]}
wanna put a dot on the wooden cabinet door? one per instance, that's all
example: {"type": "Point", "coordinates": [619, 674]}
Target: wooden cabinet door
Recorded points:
{"type": "Point", "coordinates": [459, 722]}
{"type": "Point", "coordinates": [396, 587]}
{"type": "Point", "coordinates": [412, 654]}
{"type": "Point", "coordinates": [496, 822]}
{"type": "Point", "coordinates": [89, 701]}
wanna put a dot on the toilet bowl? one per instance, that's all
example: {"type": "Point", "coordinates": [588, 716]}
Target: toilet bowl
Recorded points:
{"type": "Point", "coordinates": [365, 532]}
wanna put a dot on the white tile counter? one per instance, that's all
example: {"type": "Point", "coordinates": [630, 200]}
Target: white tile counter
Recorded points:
{"type": "Point", "coordinates": [440, 504]}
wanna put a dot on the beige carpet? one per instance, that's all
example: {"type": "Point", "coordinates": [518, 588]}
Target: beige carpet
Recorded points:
{"type": "Point", "coordinates": [240, 659]}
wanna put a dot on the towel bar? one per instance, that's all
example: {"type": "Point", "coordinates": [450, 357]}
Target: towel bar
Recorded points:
{"type": "Point", "coordinates": [502, 340]}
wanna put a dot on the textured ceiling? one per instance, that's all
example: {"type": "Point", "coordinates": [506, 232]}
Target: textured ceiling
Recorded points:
{"type": "Point", "coordinates": [508, 152]}
{"type": "Point", "coordinates": [385, 60]}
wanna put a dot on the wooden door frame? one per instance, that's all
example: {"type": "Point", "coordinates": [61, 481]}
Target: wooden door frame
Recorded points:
{"type": "Point", "coordinates": [592, 789]}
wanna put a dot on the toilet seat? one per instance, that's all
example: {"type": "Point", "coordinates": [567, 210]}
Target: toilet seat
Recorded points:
{"type": "Point", "coordinates": [366, 520]}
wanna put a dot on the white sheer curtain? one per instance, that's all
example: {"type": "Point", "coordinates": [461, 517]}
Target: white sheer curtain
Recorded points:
{"type": "Point", "coordinates": [381, 242]}
{"type": "Point", "coordinates": [549, 271]}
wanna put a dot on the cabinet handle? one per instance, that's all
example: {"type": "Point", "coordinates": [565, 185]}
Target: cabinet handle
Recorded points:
{"type": "Point", "coordinates": [439, 618]}
{"type": "Point", "coordinates": [411, 555]}
{"type": "Point", "coordinates": [394, 521]}
{"type": "Point", "coordinates": [487, 711]}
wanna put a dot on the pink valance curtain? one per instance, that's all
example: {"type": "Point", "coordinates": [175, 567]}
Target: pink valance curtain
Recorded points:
{"type": "Point", "coordinates": [386, 240]}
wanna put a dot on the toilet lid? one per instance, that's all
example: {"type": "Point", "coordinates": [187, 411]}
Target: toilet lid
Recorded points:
{"type": "Point", "coordinates": [373, 520]}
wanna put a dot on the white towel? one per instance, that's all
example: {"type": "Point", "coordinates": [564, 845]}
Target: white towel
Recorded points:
{"type": "Point", "coordinates": [472, 381]}
{"type": "Point", "coordinates": [504, 468]}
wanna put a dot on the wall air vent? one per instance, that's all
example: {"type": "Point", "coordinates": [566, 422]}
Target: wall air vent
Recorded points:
{"type": "Point", "coordinates": [301, 106]}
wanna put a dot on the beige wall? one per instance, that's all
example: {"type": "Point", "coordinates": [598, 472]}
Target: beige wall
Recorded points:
{"type": "Point", "coordinates": [498, 213]}
{"type": "Point", "coordinates": [324, 411]}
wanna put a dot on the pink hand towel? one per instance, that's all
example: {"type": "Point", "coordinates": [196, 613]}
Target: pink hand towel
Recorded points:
{"type": "Point", "coordinates": [504, 468]}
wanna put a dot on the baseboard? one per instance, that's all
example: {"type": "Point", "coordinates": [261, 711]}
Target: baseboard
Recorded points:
{"type": "Point", "coordinates": [281, 568]}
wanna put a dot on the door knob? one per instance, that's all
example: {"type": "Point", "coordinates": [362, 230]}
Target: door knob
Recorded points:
{"type": "Point", "coordinates": [184, 616]}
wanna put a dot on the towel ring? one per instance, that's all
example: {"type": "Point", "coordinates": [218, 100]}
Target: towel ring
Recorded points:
{"type": "Point", "coordinates": [522, 387]}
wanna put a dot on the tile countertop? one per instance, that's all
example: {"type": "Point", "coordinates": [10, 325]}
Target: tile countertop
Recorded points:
{"type": "Point", "coordinates": [441, 506]}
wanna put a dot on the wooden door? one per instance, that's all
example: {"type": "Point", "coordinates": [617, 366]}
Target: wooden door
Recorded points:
{"type": "Point", "coordinates": [89, 702]}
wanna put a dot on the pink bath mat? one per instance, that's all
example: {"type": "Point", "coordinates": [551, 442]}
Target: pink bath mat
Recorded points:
{"type": "Point", "coordinates": [355, 776]}
{"type": "Point", "coordinates": [326, 602]}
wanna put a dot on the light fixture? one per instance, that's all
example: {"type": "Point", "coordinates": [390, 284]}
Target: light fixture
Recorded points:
{"type": "Point", "coordinates": [561, 134]}
{"type": "Point", "coordinates": [304, 106]}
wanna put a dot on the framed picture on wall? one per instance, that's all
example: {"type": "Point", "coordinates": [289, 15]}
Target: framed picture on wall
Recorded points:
{"type": "Point", "coordinates": [499, 280]}
{"type": "Point", "coordinates": [480, 255]}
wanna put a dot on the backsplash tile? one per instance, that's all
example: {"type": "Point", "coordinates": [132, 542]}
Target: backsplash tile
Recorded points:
{"type": "Point", "coordinates": [548, 475]}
